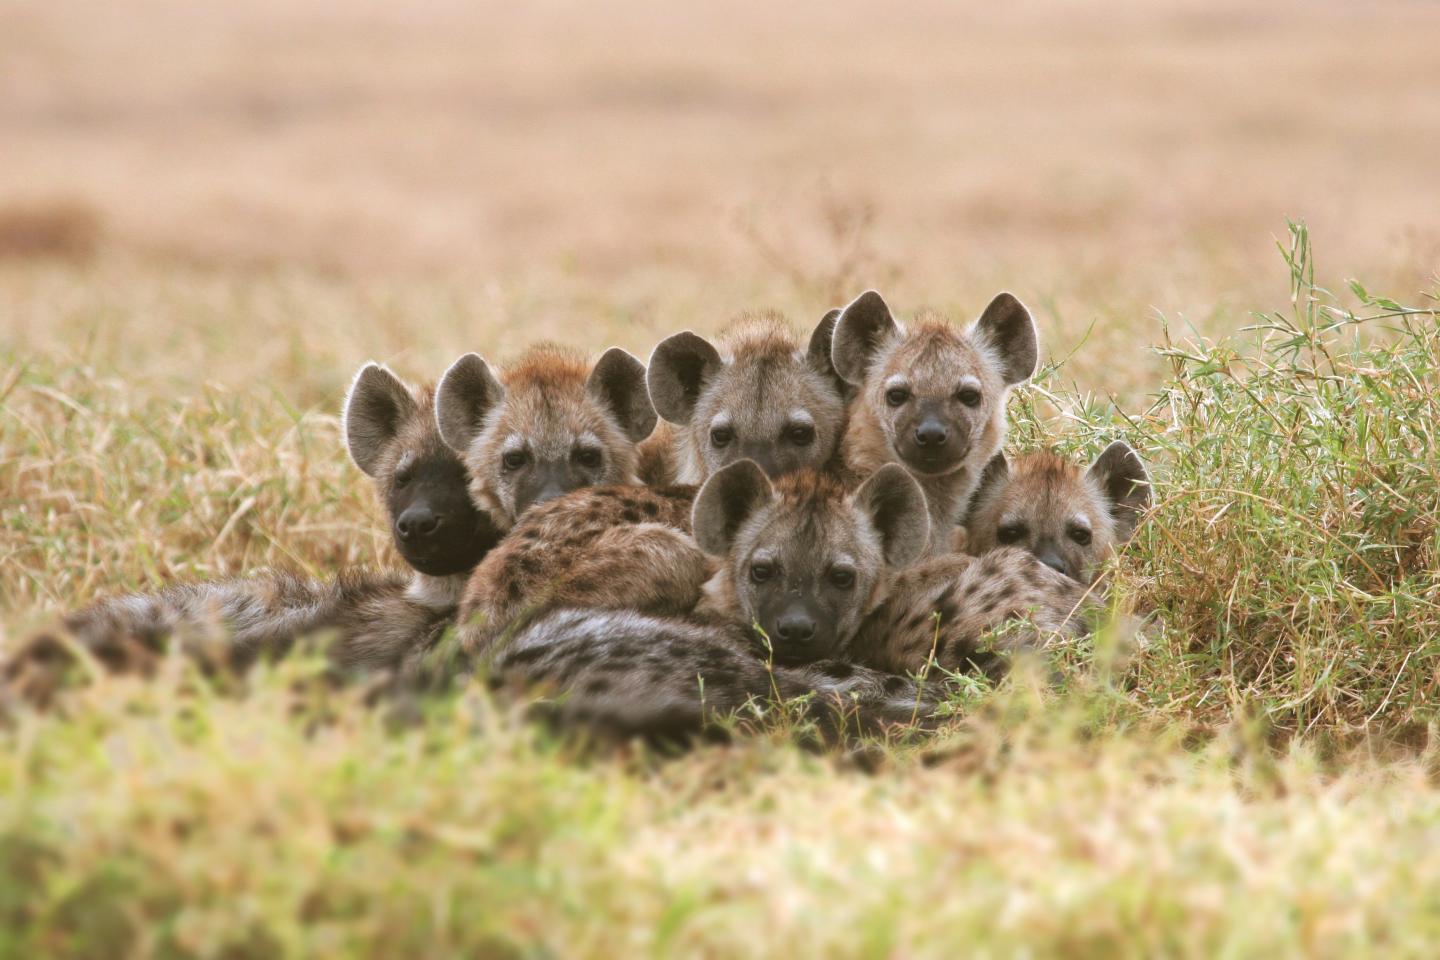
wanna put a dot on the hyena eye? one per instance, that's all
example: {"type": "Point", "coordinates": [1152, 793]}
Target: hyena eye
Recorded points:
{"type": "Point", "coordinates": [403, 477]}
{"type": "Point", "coordinates": [1080, 535]}
{"type": "Point", "coordinates": [801, 434]}
{"type": "Point", "coordinates": [721, 436]}
{"type": "Point", "coordinates": [896, 396]}
{"type": "Point", "coordinates": [1010, 533]}
{"type": "Point", "coordinates": [842, 577]}
{"type": "Point", "coordinates": [968, 396]}
{"type": "Point", "coordinates": [761, 570]}
{"type": "Point", "coordinates": [515, 459]}
{"type": "Point", "coordinates": [587, 457]}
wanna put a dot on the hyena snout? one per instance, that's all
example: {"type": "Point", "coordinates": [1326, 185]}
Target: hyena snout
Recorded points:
{"type": "Point", "coordinates": [436, 526]}
{"type": "Point", "coordinates": [418, 521]}
{"type": "Point", "coordinates": [932, 442]}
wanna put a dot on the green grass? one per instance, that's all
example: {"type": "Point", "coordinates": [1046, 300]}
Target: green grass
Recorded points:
{"type": "Point", "coordinates": [1258, 779]}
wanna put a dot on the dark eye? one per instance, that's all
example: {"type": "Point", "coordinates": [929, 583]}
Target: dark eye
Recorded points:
{"type": "Point", "coordinates": [587, 457]}
{"type": "Point", "coordinates": [968, 396]}
{"type": "Point", "coordinates": [842, 577]}
{"type": "Point", "coordinates": [896, 396]}
{"type": "Point", "coordinates": [802, 434]}
{"type": "Point", "coordinates": [1080, 535]}
{"type": "Point", "coordinates": [761, 570]}
{"type": "Point", "coordinates": [403, 477]}
{"type": "Point", "coordinates": [1010, 533]}
{"type": "Point", "coordinates": [721, 436]}
{"type": "Point", "coordinates": [515, 459]}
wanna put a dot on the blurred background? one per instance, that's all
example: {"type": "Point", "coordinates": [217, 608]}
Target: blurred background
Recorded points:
{"type": "Point", "coordinates": [271, 192]}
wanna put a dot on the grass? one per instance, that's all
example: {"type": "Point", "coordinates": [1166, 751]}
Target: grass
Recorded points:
{"type": "Point", "coordinates": [1259, 779]}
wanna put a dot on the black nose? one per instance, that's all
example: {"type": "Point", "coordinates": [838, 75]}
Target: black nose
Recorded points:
{"type": "Point", "coordinates": [795, 627]}
{"type": "Point", "coordinates": [931, 433]}
{"type": "Point", "coordinates": [418, 521]}
{"type": "Point", "coordinates": [1054, 561]}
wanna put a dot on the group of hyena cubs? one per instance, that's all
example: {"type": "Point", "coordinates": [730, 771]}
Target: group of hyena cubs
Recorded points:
{"type": "Point", "coordinates": [830, 520]}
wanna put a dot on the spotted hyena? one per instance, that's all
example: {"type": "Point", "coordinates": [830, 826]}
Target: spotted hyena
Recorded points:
{"type": "Point", "coordinates": [931, 397]}
{"type": "Point", "coordinates": [1071, 518]}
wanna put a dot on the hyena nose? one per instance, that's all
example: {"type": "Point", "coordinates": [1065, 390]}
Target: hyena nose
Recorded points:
{"type": "Point", "coordinates": [931, 433]}
{"type": "Point", "coordinates": [795, 627]}
{"type": "Point", "coordinates": [417, 522]}
{"type": "Point", "coordinates": [1054, 561]}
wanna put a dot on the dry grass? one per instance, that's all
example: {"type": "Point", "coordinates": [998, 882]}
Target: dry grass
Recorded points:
{"type": "Point", "coordinates": [210, 215]}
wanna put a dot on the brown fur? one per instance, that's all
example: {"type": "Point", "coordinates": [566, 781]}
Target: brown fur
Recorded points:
{"type": "Point", "coordinates": [551, 410]}
{"type": "Point", "coordinates": [1070, 517]}
{"type": "Point", "coordinates": [761, 393]}
{"type": "Point", "coordinates": [609, 548]}
{"type": "Point", "coordinates": [885, 614]}
{"type": "Point", "coordinates": [931, 397]}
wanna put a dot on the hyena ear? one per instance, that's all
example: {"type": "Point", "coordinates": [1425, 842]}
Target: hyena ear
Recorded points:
{"type": "Point", "coordinates": [729, 498]}
{"type": "Point", "coordinates": [863, 325]}
{"type": "Point", "coordinates": [467, 393]}
{"type": "Point", "coordinates": [1123, 478]}
{"type": "Point", "coordinates": [680, 366]}
{"type": "Point", "coordinates": [618, 381]}
{"type": "Point", "coordinates": [822, 346]}
{"type": "Point", "coordinates": [377, 403]}
{"type": "Point", "coordinates": [995, 475]}
{"type": "Point", "coordinates": [1009, 330]}
{"type": "Point", "coordinates": [896, 506]}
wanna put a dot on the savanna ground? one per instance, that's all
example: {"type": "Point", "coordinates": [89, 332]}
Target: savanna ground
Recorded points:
{"type": "Point", "coordinates": [210, 216]}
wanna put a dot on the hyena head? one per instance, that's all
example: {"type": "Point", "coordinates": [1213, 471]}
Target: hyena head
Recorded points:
{"type": "Point", "coordinates": [1070, 518]}
{"type": "Point", "coordinates": [802, 560]}
{"type": "Point", "coordinates": [391, 435]}
{"type": "Point", "coordinates": [548, 424]}
{"type": "Point", "coordinates": [934, 395]}
{"type": "Point", "coordinates": [763, 394]}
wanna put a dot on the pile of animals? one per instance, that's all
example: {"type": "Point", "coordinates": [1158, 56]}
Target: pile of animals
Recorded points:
{"type": "Point", "coordinates": [830, 520]}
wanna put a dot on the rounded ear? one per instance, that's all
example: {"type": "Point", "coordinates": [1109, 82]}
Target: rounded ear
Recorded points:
{"type": "Point", "coordinates": [896, 506]}
{"type": "Point", "coordinates": [995, 475]}
{"type": "Point", "coordinates": [1122, 476]}
{"type": "Point", "coordinates": [863, 325]}
{"type": "Point", "coordinates": [618, 382]}
{"type": "Point", "coordinates": [467, 392]}
{"type": "Point", "coordinates": [729, 498]}
{"type": "Point", "coordinates": [1008, 330]}
{"type": "Point", "coordinates": [680, 366]}
{"type": "Point", "coordinates": [375, 406]}
{"type": "Point", "coordinates": [822, 345]}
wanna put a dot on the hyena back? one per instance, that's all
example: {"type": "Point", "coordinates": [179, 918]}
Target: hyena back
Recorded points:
{"type": "Point", "coordinates": [1071, 518]}
{"type": "Point", "coordinates": [931, 397]}
{"type": "Point", "coordinates": [624, 673]}
{"type": "Point", "coordinates": [761, 393]}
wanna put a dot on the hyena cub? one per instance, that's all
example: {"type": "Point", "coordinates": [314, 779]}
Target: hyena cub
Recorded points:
{"type": "Point", "coordinates": [761, 394]}
{"type": "Point", "coordinates": [826, 575]}
{"type": "Point", "coordinates": [377, 616]}
{"type": "Point", "coordinates": [931, 397]}
{"type": "Point", "coordinates": [548, 424]}
{"type": "Point", "coordinates": [1069, 517]}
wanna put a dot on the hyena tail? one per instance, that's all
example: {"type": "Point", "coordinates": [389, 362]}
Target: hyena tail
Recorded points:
{"type": "Point", "coordinates": [625, 674]}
